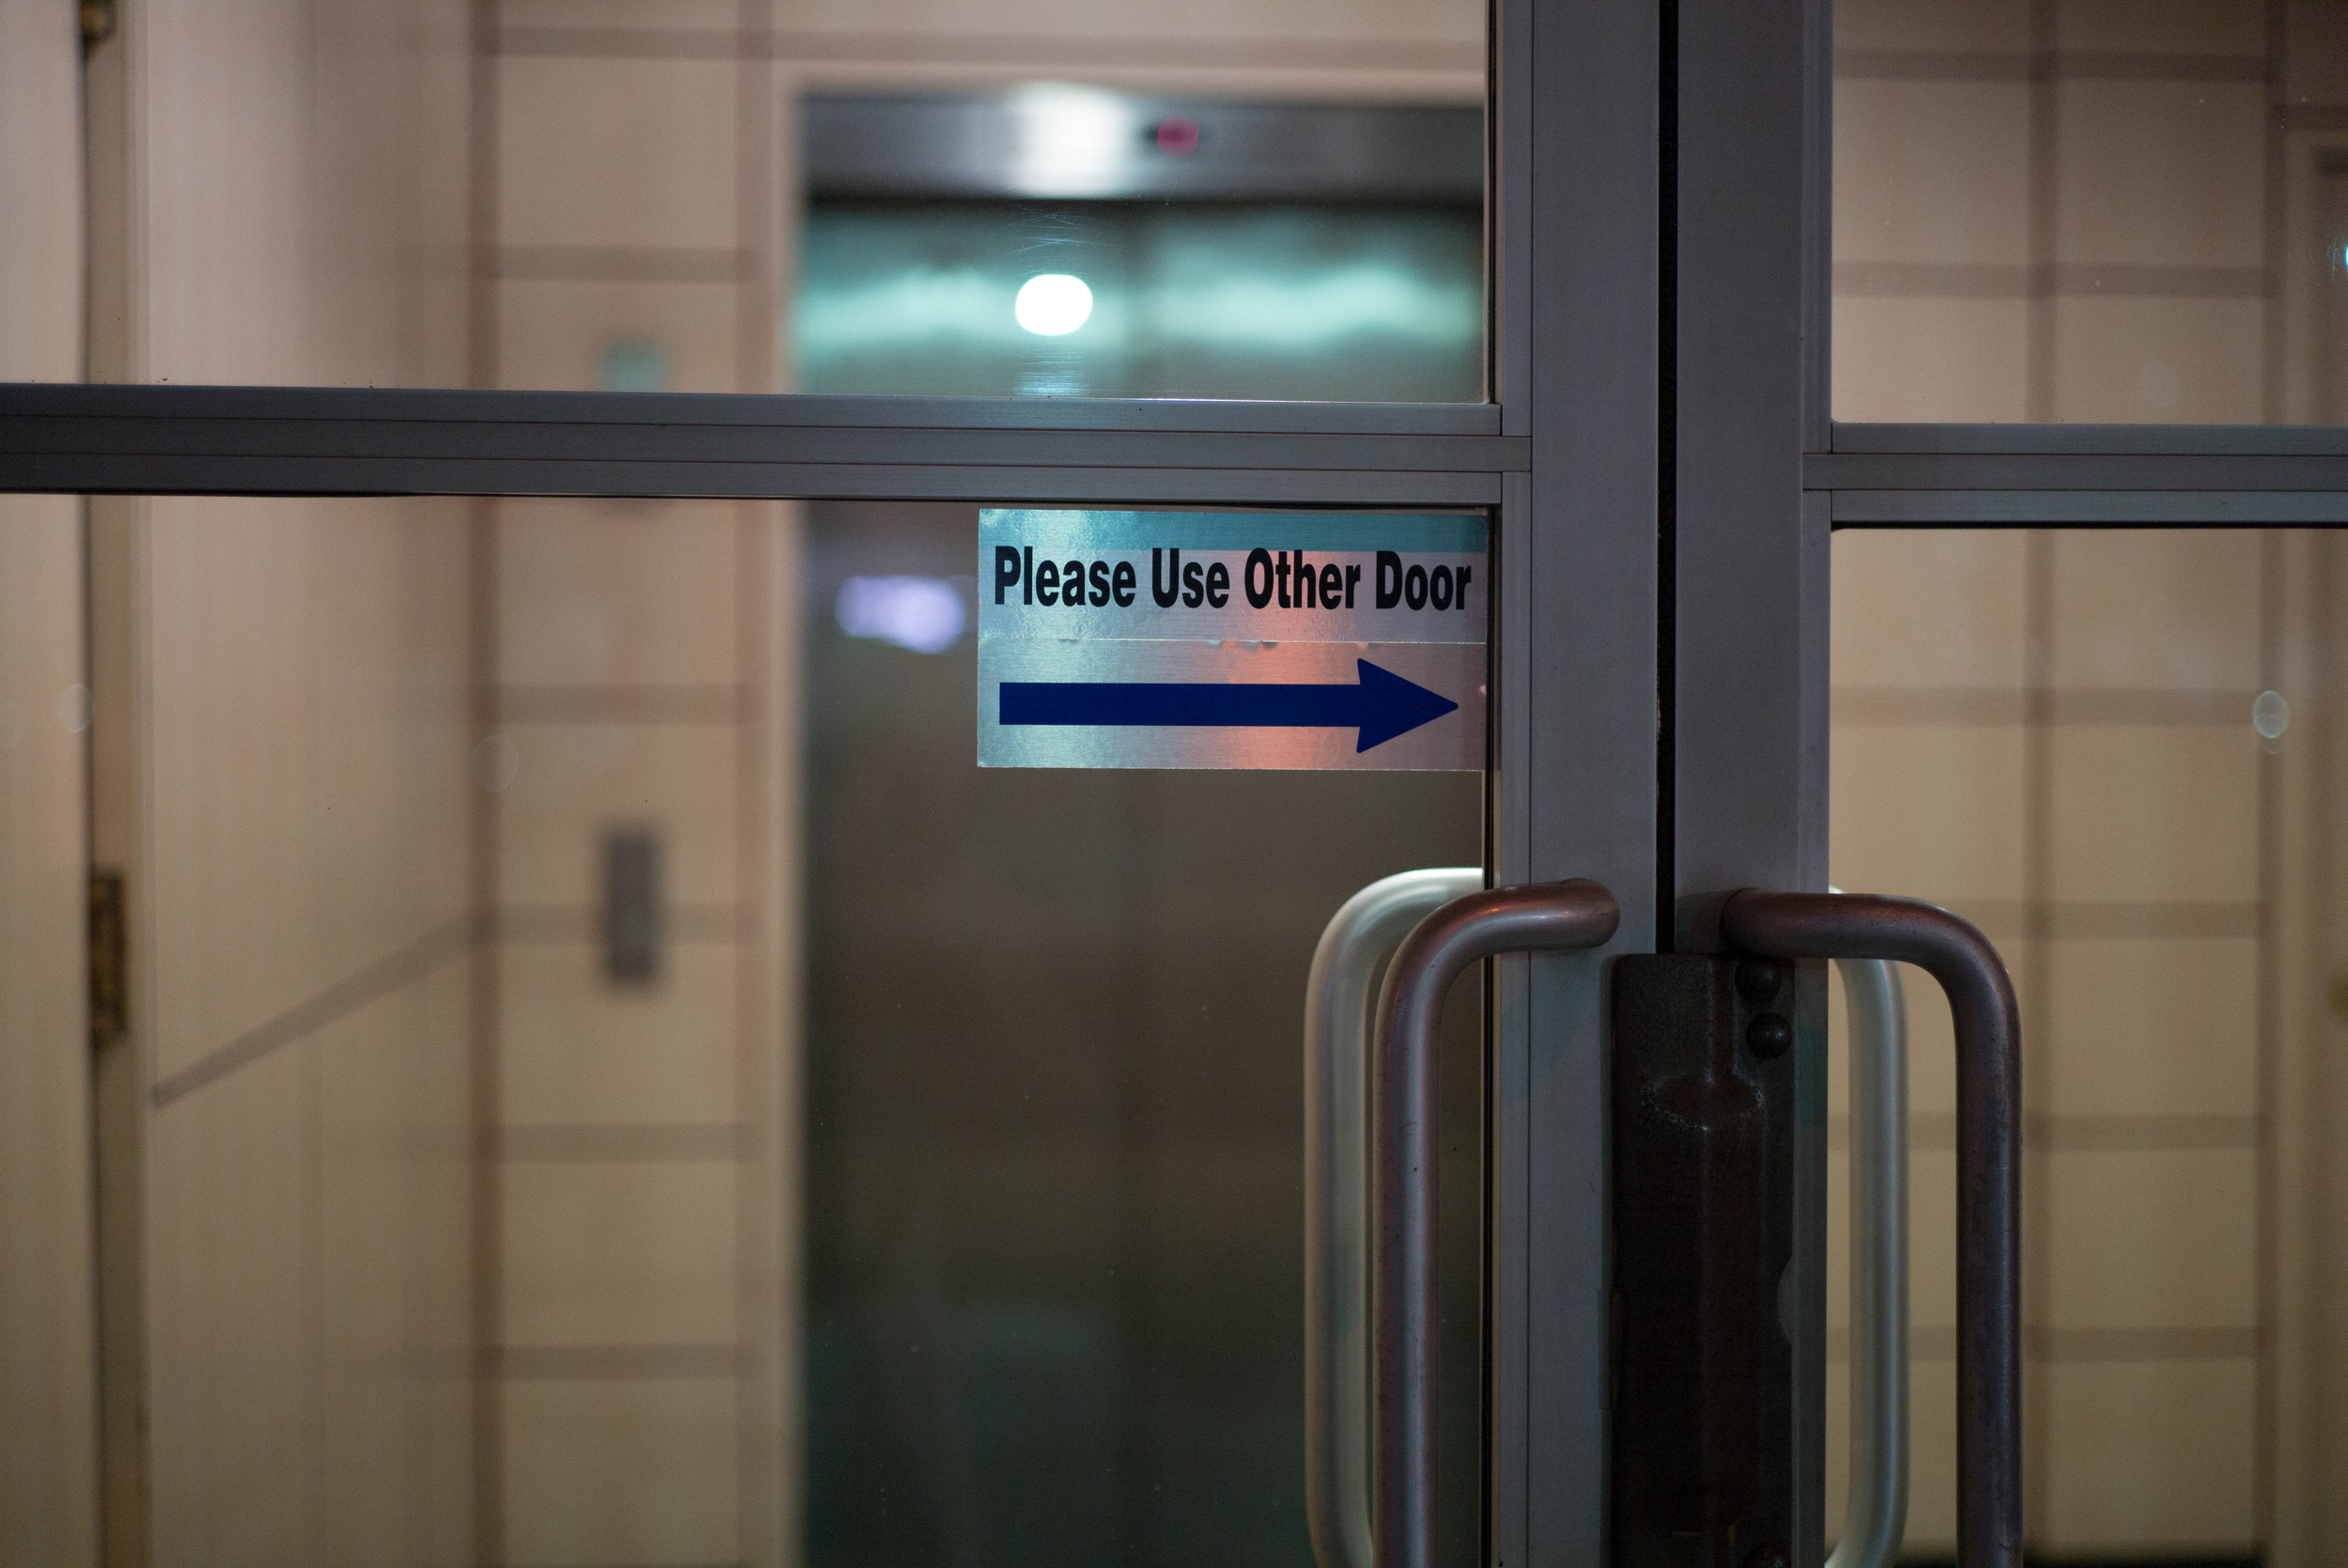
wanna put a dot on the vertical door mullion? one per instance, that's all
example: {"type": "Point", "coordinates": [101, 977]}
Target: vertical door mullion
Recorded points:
{"type": "Point", "coordinates": [1576, 102]}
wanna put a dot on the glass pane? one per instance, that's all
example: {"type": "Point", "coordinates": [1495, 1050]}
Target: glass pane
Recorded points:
{"type": "Point", "coordinates": [2116, 752]}
{"type": "Point", "coordinates": [2088, 211]}
{"type": "Point", "coordinates": [603, 1076]}
{"type": "Point", "coordinates": [1197, 301]}
{"type": "Point", "coordinates": [1054, 1269]}
{"type": "Point", "coordinates": [698, 195]}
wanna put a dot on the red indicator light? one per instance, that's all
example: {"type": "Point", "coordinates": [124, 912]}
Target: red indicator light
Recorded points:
{"type": "Point", "coordinates": [1178, 134]}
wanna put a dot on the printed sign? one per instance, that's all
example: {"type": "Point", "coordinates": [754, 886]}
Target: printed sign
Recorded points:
{"type": "Point", "coordinates": [1232, 639]}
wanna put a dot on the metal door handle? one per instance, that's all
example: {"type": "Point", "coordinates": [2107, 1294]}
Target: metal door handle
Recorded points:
{"type": "Point", "coordinates": [1988, 1168]}
{"type": "Point", "coordinates": [1875, 1519]}
{"type": "Point", "coordinates": [1556, 917]}
{"type": "Point", "coordinates": [1337, 1209]}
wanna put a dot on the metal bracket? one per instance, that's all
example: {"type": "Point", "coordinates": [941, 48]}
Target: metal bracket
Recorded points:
{"type": "Point", "coordinates": [1705, 1109]}
{"type": "Point", "coordinates": [109, 960]}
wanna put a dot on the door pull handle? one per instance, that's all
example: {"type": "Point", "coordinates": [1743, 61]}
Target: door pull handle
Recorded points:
{"type": "Point", "coordinates": [1989, 1167]}
{"type": "Point", "coordinates": [1554, 917]}
{"type": "Point", "coordinates": [1875, 1517]}
{"type": "Point", "coordinates": [1359, 937]}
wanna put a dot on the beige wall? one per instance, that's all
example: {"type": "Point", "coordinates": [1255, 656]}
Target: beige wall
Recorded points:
{"type": "Point", "coordinates": [648, 1314]}
{"type": "Point", "coordinates": [647, 675]}
{"type": "Point", "coordinates": [2051, 732]}
{"type": "Point", "coordinates": [392, 957]}
{"type": "Point", "coordinates": [2083, 211]}
{"type": "Point", "coordinates": [285, 701]}
{"type": "Point", "coordinates": [301, 945]}
{"type": "Point", "coordinates": [2092, 210]}
{"type": "Point", "coordinates": [642, 678]}
{"type": "Point", "coordinates": [378, 203]}
{"type": "Point", "coordinates": [48, 1375]}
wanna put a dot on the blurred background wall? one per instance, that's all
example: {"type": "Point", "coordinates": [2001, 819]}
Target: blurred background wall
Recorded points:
{"type": "Point", "coordinates": [283, 715]}
{"type": "Point", "coordinates": [2085, 211]}
{"type": "Point", "coordinates": [2079, 212]}
{"type": "Point", "coordinates": [48, 1420]}
{"type": "Point", "coordinates": [430, 1232]}
{"type": "Point", "coordinates": [429, 1236]}
{"type": "Point", "coordinates": [2063, 735]}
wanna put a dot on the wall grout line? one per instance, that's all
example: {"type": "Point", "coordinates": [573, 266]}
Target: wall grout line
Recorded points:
{"type": "Point", "coordinates": [699, 264]}
{"type": "Point", "coordinates": [2269, 1040]}
{"type": "Point", "coordinates": [757, 42]}
{"type": "Point", "coordinates": [2045, 1346]}
{"type": "Point", "coordinates": [2073, 65]}
{"type": "Point", "coordinates": [486, 1090]}
{"type": "Point", "coordinates": [2037, 956]}
{"type": "Point", "coordinates": [485, 1255]}
{"type": "Point", "coordinates": [2126, 1133]}
{"type": "Point", "coordinates": [2029, 280]}
{"type": "Point", "coordinates": [2038, 394]}
{"type": "Point", "coordinates": [620, 1142]}
{"type": "Point", "coordinates": [629, 1359]}
{"type": "Point", "coordinates": [2271, 220]}
{"type": "Point", "coordinates": [756, 320]}
{"type": "Point", "coordinates": [1976, 707]}
{"type": "Point", "coordinates": [642, 702]}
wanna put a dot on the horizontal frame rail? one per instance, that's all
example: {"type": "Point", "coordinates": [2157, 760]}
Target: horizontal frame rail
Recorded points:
{"type": "Point", "coordinates": [2083, 476]}
{"type": "Point", "coordinates": [362, 441]}
{"type": "Point", "coordinates": [309, 441]}
{"type": "Point", "coordinates": [2158, 441]}
{"type": "Point", "coordinates": [2270, 508]}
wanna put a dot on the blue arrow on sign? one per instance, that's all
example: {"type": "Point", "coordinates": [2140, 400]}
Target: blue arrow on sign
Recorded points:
{"type": "Point", "coordinates": [1381, 706]}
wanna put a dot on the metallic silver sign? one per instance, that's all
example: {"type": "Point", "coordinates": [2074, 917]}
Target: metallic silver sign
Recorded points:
{"type": "Point", "coordinates": [1232, 639]}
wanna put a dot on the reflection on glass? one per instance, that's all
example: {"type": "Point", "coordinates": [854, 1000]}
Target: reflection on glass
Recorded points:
{"type": "Point", "coordinates": [607, 1078]}
{"type": "Point", "coordinates": [582, 195]}
{"type": "Point", "coordinates": [1155, 301]}
{"type": "Point", "coordinates": [1053, 1150]}
{"type": "Point", "coordinates": [1222, 249]}
{"type": "Point", "coordinates": [2115, 752]}
{"type": "Point", "coordinates": [2080, 211]}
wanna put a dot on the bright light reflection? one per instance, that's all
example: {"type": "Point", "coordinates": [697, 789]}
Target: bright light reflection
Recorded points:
{"type": "Point", "coordinates": [1367, 299]}
{"type": "Point", "coordinates": [924, 614]}
{"type": "Point", "coordinates": [1070, 141]}
{"type": "Point", "coordinates": [1053, 304]}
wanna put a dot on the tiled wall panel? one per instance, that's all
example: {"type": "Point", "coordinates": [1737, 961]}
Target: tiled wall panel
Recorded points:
{"type": "Point", "coordinates": [606, 1252]}
{"type": "Point", "coordinates": [623, 594]}
{"type": "Point", "coordinates": [623, 154]}
{"type": "Point", "coordinates": [2108, 996]}
{"type": "Point", "coordinates": [2136, 181]}
{"type": "Point", "coordinates": [2105, 680]}
{"type": "Point", "coordinates": [574, 782]}
{"type": "Point", "coordinates": [575, 1051]}
{"type": "Point", "coordinates": [620, 1472]}
{"type": "Point", "coordinates": [2156, 1457]}
{"type": "Point", "coordinates": [620, 334]}
{"type": "Point", "coordinates": [48, 1376]}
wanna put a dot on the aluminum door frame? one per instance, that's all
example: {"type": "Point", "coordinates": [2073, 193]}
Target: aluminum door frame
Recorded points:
{"type": "Point", "coordinates": [1564, 454]}
{"type": "Point", "coordinates": [1666, 477]}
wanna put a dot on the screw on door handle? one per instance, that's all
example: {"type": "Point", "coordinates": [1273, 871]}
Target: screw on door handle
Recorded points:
{"type": "Point", "coordinates": [1989, 1167]}
{"type": "Point", "coordinates": [1555, 917]}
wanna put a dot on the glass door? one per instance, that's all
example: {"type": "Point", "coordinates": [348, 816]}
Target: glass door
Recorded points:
{"type": "Point", "coordinates": [659, 1093]}
{"type": "Point", "coordinates": [2122, 741]}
